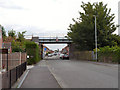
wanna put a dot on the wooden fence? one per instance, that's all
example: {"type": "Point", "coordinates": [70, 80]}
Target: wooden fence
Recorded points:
{"type": "Point", "coordinates": [14, 59]}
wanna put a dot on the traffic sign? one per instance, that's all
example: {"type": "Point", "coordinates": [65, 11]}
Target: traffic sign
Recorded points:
{"type": "Point", "coordinates": [45, 49]}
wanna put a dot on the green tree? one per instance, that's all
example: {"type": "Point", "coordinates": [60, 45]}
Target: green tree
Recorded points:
{"type": "Point", "coordinates": [18, 46]}
{"type": "Point", "coordinates": [82, 32]}
{"type": "Point", "coordinates": [21, 36]}
{"type": "Point", "coordinates": [3, 32]}
{"type": "Point", "coordinates": [12, 33]}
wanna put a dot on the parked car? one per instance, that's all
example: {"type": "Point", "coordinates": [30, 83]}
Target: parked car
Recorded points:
{"type": "Point", "coordinates": [64, 56]}
{"type": "Point", "coordinates": [55, 54]}
{"type": "Point", "coordinates": [49, 55]}
{"type": "Point", "coordinates": [61, 56]}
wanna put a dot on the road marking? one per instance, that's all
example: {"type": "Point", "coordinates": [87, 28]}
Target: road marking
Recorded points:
{"type": "Point", "coordinates": [23, 79]}
{"type": "Point", "coordinates": [55, 78]}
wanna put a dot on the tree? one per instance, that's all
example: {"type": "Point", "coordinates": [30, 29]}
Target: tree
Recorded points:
{"type": "Point", "coordinates": [18, 46]}
{"type": "Point", "coordinates": [12, 33]}
{"type": "Point", "coordinates": [3, 32]}
{"type": "Point", "coordinates": [82, 32]}
{"type": "Point", "coordinates": [21, 36]}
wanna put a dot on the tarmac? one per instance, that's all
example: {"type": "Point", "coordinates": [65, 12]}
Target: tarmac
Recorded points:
{"type": "Point", "coordinates": [37, 76]}
{"type": "Point", "coordinates": [69, 74]}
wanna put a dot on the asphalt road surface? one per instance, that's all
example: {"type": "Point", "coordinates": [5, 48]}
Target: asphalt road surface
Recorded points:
{"type": "Point", "coordinates": [79, 74]}
{"type": "Point", "coordinates": [72, 74]}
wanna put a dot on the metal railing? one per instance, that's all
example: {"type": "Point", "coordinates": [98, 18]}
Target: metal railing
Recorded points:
{"type": "Point", "coordinates": [55, 39]}
{"type": "Point", "coordinates": [11, 76]}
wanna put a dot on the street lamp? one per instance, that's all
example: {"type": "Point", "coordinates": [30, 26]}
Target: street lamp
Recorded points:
{"type": "Point", "coordinates": [95, 37]}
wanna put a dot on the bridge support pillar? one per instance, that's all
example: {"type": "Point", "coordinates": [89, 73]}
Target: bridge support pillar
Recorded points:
{"type": "Point", "coordinates": [71, 50]}
{"type": "Point", "coordinates": [41, 50]}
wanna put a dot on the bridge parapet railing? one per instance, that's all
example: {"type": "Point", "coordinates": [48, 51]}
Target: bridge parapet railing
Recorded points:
{"type": "Point", "coordinates": [52, 38]}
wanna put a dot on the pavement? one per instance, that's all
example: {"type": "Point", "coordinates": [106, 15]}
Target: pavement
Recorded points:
{"type": "Point", "coordinates": [40, 77]}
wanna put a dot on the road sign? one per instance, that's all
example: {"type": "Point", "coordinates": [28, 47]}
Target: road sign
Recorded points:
{"type": "Point", "coordinates": [45, 49]}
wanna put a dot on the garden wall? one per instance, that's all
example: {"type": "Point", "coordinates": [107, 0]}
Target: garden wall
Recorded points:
{"type": "Point", "coordinates": [82, 55]}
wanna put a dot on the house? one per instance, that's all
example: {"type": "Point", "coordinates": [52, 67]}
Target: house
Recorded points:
{"type": "Point", "coordinates": [7, 45]}
{"type": "Point", "coordinates": [46, 49]}
{"type": "Point", "coordinates": [65, 50]}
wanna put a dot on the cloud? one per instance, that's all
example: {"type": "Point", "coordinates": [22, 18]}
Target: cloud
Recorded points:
{"type": "Point", "coordinates": [44, 16]}
{"type": "Point", "coordinates": [55, 46]}
{"type": "Point", "coordinates": [9, 4]}
{"type": "Point", "coordinates": [11, 7]}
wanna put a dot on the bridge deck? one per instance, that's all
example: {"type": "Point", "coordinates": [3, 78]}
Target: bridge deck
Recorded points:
{"type": "Point", "coordinates": [54, 40]}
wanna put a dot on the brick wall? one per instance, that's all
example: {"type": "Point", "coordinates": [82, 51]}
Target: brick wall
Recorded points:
{"type": "Point", "coordinates": [82, 55]}
{"type": "Point", "coordinates": [74, 54]}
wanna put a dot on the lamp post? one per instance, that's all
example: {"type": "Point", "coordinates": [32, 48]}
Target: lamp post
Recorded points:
{"type": "Point", "coordinates": [95, 37]}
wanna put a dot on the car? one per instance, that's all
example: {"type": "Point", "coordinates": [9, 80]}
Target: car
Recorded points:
{"type": "Point", "coordinates": [61, 56]}
{"type": "Point", "coordinates": [55, 54]}
{"type": "Point", "coordinates": [65, 56]}
{"type": "Point", "coordinates": [49, 55]}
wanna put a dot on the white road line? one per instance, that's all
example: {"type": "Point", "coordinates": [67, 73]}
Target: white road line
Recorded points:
{"type": "Point", "coordinates": [55, 78]}
{"type": "Point", "coordinates": [23, 79]}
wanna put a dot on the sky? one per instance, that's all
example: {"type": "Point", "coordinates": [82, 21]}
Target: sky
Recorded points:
{"type": "Point", "coordinates": [45, 17]}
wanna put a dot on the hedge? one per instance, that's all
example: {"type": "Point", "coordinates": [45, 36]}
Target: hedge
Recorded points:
{"type": "Point", "coordinates": [110, 53]}
{"type": "Point", "coordinates": [33, 51]}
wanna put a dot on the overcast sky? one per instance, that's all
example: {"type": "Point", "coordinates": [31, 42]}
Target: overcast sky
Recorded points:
{"type": "Point", "coordinates": [44, 17]}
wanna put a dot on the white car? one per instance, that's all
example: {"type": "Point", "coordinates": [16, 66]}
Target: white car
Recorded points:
{"type": "Point", "coordinates": [61, 56]}
{"type": "Point", "coordinates": [49, 55]}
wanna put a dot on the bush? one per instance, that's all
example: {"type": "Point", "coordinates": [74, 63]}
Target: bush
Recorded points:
{"type": "Point", "coordinates": [18, 46]}
{"type": "Point", "coordinates": [33, 51]}
{"type": "Point", "coordinates": [113, 52]}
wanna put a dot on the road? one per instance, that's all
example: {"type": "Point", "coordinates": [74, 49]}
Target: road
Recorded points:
{"type": "Point", "coordinates": [73, 74]}
{"type": "Point", "coordinates": [79, 74]}
{"type": "Point", "coordinates": [52, 58]}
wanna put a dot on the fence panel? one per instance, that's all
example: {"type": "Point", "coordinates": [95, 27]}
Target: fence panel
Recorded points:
{"type": "Point", "coordinates": [14, 59]}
